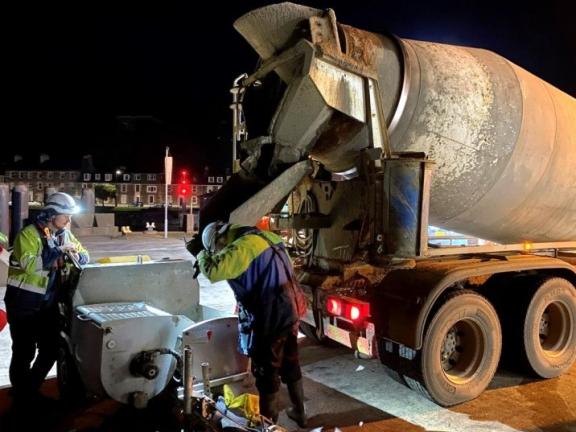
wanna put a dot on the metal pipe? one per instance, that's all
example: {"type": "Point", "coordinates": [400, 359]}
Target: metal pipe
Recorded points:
{"type": "Point", "coordinates": [188, 380]}
{"type": "Point", "coordinates": [206, 379]}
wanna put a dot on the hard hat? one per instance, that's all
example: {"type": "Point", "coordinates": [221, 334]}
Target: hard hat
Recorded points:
{"type": "Point", "coordinates": [61, 203]}
{"type": "Point", "coordinates": [211, 233]}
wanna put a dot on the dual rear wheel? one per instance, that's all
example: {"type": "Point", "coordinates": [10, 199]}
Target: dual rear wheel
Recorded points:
{"type": "Point", "coordinates": [463, 341]}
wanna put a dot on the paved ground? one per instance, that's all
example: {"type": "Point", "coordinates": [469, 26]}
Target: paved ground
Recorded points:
{"type": "Point", "coordinates": [351, 394]}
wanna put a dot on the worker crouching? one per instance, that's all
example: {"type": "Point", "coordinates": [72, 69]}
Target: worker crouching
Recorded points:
{"type": "Point", "coordinates": [270, 301]}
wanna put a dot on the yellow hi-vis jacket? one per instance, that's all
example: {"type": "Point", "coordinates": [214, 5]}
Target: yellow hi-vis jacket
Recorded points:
{"type": "Point", "coordinates": [27, 270]}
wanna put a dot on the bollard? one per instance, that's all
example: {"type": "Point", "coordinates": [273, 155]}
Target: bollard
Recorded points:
{"type": "Point", "coordinates": [19, 211]}
{"type": "Point", "coordinates": [4, 209]}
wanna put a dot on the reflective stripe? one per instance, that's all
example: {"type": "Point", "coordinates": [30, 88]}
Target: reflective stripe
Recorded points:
{"type": "Point", "coordinates": [39, 264]}
{"type": "Point", "coordinates": [24, 286]}
{"type": "Point", "coordinates": [37, 279]}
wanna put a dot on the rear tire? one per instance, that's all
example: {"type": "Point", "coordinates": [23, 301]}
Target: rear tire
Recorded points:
{"type": "Point", "coordinates": [549, 328]}
{"type": "Point", "coordinates": [461, 350]}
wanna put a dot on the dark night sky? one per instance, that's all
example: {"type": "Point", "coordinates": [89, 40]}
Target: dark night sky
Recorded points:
{"type": "Point", "coordinates": [71, 73]}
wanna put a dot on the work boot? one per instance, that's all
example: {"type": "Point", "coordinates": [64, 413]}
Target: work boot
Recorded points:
{"type": "Point", "coordinates": [269, 406]}
{"type": "Point", "coordinates": [297, 412]}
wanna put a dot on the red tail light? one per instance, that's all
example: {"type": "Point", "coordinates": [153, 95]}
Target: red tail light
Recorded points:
{"type": "Point", "coordinates": [354, 313]}
{"type": "Point", "coordinates": [334, 306]}
{"type": "Point", "coordinates": [347, 307]}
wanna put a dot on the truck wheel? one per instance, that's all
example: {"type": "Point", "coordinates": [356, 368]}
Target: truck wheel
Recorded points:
{"type": "Point", "coordinates": [549, 328]}
{"type": "Point", "coordinates": [461, 350]}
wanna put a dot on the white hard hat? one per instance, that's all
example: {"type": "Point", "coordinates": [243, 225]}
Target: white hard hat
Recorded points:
{"type": "Point", "coordinates": [61, 203]}
{"type": "Point", "coordinates": [211, 233]}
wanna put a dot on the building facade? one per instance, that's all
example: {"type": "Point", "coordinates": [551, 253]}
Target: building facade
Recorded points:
{"type": "Point", "coordinates": [125, 189]}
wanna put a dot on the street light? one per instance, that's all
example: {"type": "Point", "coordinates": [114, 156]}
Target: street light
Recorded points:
{"type": "Point", "coordinates": [167, 181]}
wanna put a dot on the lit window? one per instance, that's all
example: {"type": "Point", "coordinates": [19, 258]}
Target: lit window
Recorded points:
{"type": "Point", "coordinates": [108, 177]}
{"type": "Point", "coordinates": [87, 176]}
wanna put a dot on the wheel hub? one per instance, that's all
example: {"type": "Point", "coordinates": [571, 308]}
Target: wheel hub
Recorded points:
{"type": "Point", "coordinates": [462, 351]}
{"type": "Point", "coordinates": [450, 353]}
{"type": "Point", "coordinates": [554, 328]}
{"type": "Point", "coordinates": [544, 326]}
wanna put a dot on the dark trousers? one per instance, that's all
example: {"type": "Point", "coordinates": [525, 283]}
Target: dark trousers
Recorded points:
{"type": "Point", "coordinates": [30, 333]}
{"type": "Point", "coordinates": [275, 360]}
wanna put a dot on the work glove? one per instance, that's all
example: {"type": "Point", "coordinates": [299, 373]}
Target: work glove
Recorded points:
{"type": "Point", "coordinates": [70, 250]}
{"type": "Point", "coordinates": [194, 246]}
{"type": "Point", "coordinates": [196, 269]}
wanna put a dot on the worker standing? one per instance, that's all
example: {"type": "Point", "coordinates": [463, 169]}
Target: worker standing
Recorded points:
{"type": "Point", "coordinates": [270, 301]}
{"type": "Point", "coordinates": [37, 267]}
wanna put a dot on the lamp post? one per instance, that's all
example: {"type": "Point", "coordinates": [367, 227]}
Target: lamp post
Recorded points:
{"type": "Point", "coordinates": [117, 184]}
{"type": "Point", "coordinates": [167, 180]}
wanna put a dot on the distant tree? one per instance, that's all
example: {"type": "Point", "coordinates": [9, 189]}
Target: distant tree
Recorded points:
{"type": "Point", "coordinates": [105, 191]}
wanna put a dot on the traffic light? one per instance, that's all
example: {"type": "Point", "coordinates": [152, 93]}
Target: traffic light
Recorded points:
{"type": "Point", "coordinates": [184, 188]}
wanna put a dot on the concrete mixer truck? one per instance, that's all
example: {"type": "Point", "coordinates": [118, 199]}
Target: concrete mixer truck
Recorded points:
{"type": "Point", "coordinates": [372, 139]}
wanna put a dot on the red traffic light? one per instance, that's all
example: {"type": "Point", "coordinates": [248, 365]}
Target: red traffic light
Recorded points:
{"type": "Point", "coordinates": [184, 190]}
